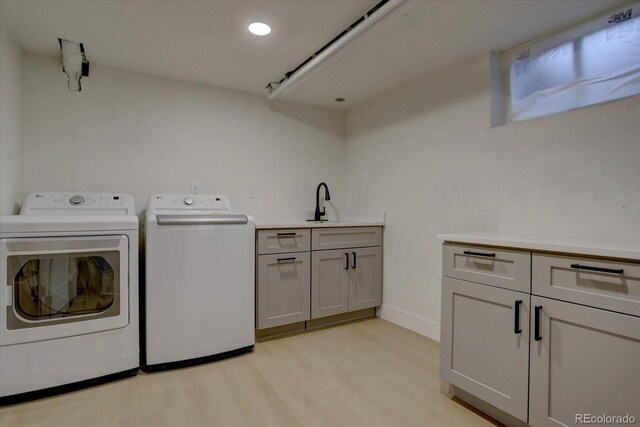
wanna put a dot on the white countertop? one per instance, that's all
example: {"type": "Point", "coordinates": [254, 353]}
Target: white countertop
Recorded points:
{"type": "Point", "coordinates": [613, 248]}
{"type": "Point", "coordinates": [313, 224]}
{"type": "Point", "coordinates": [347, 218]}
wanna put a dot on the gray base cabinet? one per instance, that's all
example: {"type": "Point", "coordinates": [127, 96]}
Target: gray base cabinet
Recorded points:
{"type": "Point", "coordinates": [485, 343]}
{"type": "Point", "coordinates": [510, 341]}
{"type": "Point", "coordinates": [307, 274]}
{"type": "Point", "coordinates": [347, 278]}
{"type": "Point", "coordinates": [585, 361]}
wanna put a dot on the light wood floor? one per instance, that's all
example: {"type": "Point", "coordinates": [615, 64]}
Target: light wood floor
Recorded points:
{"type": "Point", "coordinates": [368, 373]}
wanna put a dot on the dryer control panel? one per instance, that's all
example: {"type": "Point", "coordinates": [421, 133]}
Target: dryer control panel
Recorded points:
{"type": "Point", "coordinates": [58, 203]}
{"type": "Point", "coordinates": [188, 203]}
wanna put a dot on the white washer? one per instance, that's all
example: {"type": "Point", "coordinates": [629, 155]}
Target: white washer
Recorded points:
{"type": "Point", "coordinates": [68, 294]}
{"type": "Point", "coordinates": [199, 293]}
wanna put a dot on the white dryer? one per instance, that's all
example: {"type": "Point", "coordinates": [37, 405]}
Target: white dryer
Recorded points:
{"type": "Point", "coordinates": [68, 294]}
{"type": "Point", "coordinates": [199, 292]}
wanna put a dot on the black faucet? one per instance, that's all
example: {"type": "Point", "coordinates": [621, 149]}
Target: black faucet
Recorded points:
{"type": "Point", "coordinates": [318, 214]}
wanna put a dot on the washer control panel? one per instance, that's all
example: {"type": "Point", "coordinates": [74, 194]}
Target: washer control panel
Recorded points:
{"type": "Point", "coordinates": [189, 203]}
{"type": "Point", "coordinates": [52, 203]}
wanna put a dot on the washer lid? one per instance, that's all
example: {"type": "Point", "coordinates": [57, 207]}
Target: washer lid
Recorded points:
{"type": "Point", "coordinates": [57, 223]}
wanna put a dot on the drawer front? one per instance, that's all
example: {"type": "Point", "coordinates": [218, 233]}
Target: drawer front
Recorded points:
{"type": "Point", "coordinates": [282, 241]}
{"type": "Point", "coordinates": [283, 289]}
{"type": "Point", "coordinates": [339, 238]}
{"type": "Point", "coordinates": [604, 284]}
{"type": "Point", "coordinates": [496, 267]}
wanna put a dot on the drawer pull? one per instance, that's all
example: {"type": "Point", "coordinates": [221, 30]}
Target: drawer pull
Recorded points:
{"type": "Point", "coordinates": [479, 254]}
{"type": "Point", "coordinates": [346, 260]}
{"type": "Point", "coordinates": [287, 234]}
{"type": "Point", "coordinates": [516, 325]}
{"type": "Point", "coordinates": [600, 269]}
{"type": "Point", "coordinates": [537, 336]}
{"type": "Point", "coordinates": [289, 259]}
{"type": "Point", "coordinates": [353, 265]}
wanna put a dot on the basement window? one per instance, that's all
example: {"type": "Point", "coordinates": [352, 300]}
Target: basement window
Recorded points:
{"type": "Point", "coordinates": [593, 63]}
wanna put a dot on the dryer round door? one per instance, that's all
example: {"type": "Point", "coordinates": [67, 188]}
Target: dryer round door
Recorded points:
{"type": "Point", "coordinates": [55, 287]}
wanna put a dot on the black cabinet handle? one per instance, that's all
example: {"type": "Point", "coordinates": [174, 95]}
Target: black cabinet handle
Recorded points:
{"type": "Point", "coordinates": [346, 260]}
{"type": "Point", "coordinates": [537, 336]}
{"type": "Point", "coordinates": [287, 234]}
{"type": "Point", "coordinates": [516, 322]}
{"type": "Point", "coordinates": [599, 269]}
{"type": "Point", "coordinates": [479, 254]}
{"type": "Point", "coordinates": [353, 265]}
{"type": "Point", "coordinates": [287, 259]}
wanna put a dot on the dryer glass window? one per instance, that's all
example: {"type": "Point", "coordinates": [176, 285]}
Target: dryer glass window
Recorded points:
{"type": "Point", "coordinates": [65, 287]}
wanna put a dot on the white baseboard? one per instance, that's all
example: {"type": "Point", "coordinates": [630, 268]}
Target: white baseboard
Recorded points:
{"type": "Point", "coordinates": [413, 322]}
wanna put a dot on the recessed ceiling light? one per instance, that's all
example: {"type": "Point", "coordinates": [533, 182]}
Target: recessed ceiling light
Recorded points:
{"type": "Point", "coordinates": [259, 29]}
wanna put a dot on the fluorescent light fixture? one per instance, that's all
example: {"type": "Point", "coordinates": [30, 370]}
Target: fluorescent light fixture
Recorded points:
{"type": "Point", "coordinates": [259, 29]}
{"type": "Point", "coordinates": [376, 14]}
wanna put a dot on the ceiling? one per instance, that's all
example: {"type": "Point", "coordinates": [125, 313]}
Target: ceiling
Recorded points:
{"type": "Point", "coordinates": [207, 41]}
{"type": "Point", "coordinates": [199, 41]}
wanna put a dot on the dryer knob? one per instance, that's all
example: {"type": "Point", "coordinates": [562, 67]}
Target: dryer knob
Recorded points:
{"type": "Point", "coordinates": [188, 201]}
{"type": "Point", "coordinates": [76, 200]}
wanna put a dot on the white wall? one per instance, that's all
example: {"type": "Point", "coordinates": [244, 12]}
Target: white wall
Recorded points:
{"type": "Point", "coordinates": [10, 70]}
{"type": "Point", "coordinates": [428, 155]}
{"type": "Point", "coordinates": [139, 134]}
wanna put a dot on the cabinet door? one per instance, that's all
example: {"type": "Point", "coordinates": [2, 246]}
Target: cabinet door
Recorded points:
{"type": "Point", "coordinates": [484, 347]}
{"type": "Point", "coordinates": [365, 281]}
{"type": "Point", "coordinates": [586, 361]}
{"type": "Point", "coordinates": [283, 289]}
{"type": "Point", "coordinates": [329, 283]}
